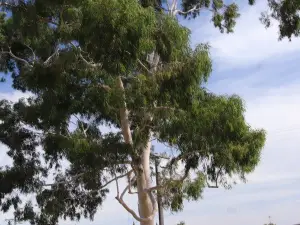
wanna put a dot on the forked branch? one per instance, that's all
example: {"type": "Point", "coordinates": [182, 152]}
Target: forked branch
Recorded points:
{"type": "Point", "coordinates": [132, 212]}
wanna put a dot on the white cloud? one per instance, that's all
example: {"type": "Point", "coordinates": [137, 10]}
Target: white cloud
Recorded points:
{"type": "Point", "coordinates": [250, 43]}
{"type": "Point", "coordinates": [14, 96]}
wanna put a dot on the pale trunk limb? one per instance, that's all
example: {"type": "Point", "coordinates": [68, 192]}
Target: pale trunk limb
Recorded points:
{"type": "Point", "coordinates": [143, 171]}
{"type": "Point", "coordinates": [146, 205]}
{"type": "Point", "coordinates": [124, 117]}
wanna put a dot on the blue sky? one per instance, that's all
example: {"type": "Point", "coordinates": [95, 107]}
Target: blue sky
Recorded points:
{"type": "Point", "coordinates": [253, 64]}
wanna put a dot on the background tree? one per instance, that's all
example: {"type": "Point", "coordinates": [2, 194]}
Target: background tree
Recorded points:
{"type": "Point", "coordinates": [119, 63]}
{"type": "Point", "coordinates": [270, 222]}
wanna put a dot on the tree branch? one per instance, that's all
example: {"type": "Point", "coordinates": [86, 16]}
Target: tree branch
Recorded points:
{"type": "Point", "coordinates": [91, 64]}
{"type": "Point", "coordinates": [124, 116]}
{"type": "Point", "coordinates": [125, 206]}
{"type": "Point", "coordinates": [212, 186]}
{"type": "Point", "coordinates": [104, 86]}
{"type": "Point", "coordinates": [116, 178]}
{"type": "Point", "coordinates": [16, 57]}
{"type": "Point", "coordinates": [216, 182]}
{"type": "Point", "coordinates": [187, 12]}
{"type": "Point", "coordinates": [33, 53]}
{"type": "Point", "coordinates": [141, 63]}
{"type": "Point", "coordinates": [81, 174]}
{"type": "Point", "coordinates": [194, 9]}
{"type": "Point", "coordinates": [118, 190]}
{"type": "Point", "coordinates": [145, 67]}
{"type": "Point", "coordinates": [135, 216]}
{"type": "Point", "coordinates": [130, 185]}
{"type": "Point", "coordinates": [55, 53]}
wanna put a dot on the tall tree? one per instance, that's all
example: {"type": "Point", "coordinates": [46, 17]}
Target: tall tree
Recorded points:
{"type": "Point", "coordinates": [121, 63]}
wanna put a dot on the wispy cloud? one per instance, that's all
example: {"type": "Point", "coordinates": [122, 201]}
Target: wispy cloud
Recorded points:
{"type": "Point", "coordinates": [13, 96]}
{"type": "Point", "coordinates": [250, 43]}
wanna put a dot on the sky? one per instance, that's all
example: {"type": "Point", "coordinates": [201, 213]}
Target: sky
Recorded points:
{"type": "Point", "coordinates": [255, 65]}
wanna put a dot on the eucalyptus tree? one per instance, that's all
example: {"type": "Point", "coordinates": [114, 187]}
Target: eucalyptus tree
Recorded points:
{"type": "Point", "coordinates": [89, 64]}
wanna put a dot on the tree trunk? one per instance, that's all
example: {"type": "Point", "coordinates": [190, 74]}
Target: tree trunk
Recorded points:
{"type": "Point", "coordinates": [145, 204]}
{"type": "Point", "coordinates": [144, 182]}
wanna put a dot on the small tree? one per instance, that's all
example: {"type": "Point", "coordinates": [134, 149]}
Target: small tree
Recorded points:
{"type": "Point", "coordinates": [126, 64]}
{"type": "Point", "coordinates": [270, 222]}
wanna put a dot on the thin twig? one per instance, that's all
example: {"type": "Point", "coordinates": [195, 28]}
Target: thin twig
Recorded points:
{"type": "Point", "coordinates": [33, 53]}
{"type": "Point", "coordinates": [64, 181]}
{"type": "Point", "coordinates": [81, 174]}
{"type": "Point", "coordinates": [130, 185]}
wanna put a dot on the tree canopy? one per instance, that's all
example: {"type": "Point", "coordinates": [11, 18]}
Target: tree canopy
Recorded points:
{"type": "Point", "coordinates": [126, 64]}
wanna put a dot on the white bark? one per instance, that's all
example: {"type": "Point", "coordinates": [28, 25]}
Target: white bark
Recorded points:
{"type": "Point", "coordinates": [143, 183]}
{"type": "Point", "coordinates": [124, 117]}
{"type": "Point", "coordinates": [147, 204]}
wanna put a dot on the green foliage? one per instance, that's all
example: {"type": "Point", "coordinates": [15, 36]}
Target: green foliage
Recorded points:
{"type": "Point", "coordinates": [71, 55]}
{"type": "Point", "coordinates": [286, 12]}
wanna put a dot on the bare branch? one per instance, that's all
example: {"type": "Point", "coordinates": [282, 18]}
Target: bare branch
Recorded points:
{"type": "Point", "coordinates": [173, 5]}
{"type": "Point", "coordinates": [16, 57]}
{"type": "Point", "coordinates": [145, 67]}
{"type": "Point", "coordinates": [104, 86]}
{"type": "Point", "coordinates": [130, 185]}
{"type": "Point", "coordinates": [187, 12]}
{"type": "Point", "coordinates": [212, 186]}
{"type": "Point", "coordinates": [116, 178]}
{"type": "Point", "coordinates": [33, 53]}
{"type": "Point", "coordinates": [124, 116]}
{"type": "Point", "coordinates": [153, 201]}
{"type": "Point", "coordinates": [135, 216]}
{"type": "Point", "coordinates": [124, 192]}
{"type": "Point", "coordinates": [118, 191]}
{"type": "Point", "coordinates": [141, 63]}
{"type": "Point", "coordinates": [81, 126]}
{"type": "Point", "coordinates": [196, 8]}
{"type": "Point", "coordinates": [121, 201]}
{"type": "Point", "coordinates": [55, 53]}
{"type": "Point", "coordinates": [91, 64]}
{"type": "Point", "coordinates": [216, 181]}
